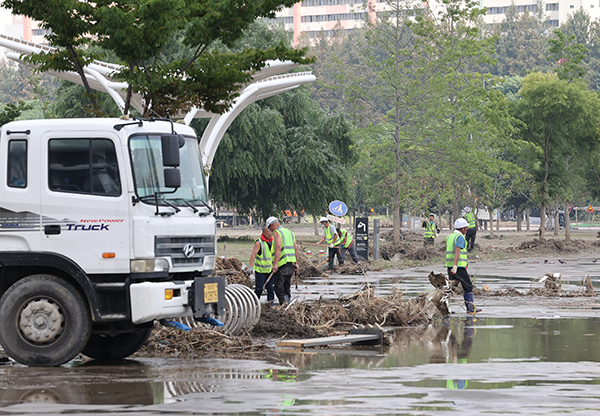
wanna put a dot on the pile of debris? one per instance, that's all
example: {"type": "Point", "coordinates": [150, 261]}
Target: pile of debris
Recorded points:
{"type": "Point", "coordinates": [199, 342]}
{"type": "Point", "coordinates": [552, 288]}
{"type": "Point", "coordinates": [233, 269]}
{"type": "Point", "coordinates": [362, 308]}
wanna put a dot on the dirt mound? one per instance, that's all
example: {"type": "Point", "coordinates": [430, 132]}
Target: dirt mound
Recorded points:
{"type": "Point", "coordinates": [553, 246]}
{"type": "Point", "coordinates": [407, 251]}
{"type": "Point", "coordinates": [306, 268]}
{"type": "Point", "coordinates": [405, 235]}
{"type": "Point", "coordinates": [356, 268]}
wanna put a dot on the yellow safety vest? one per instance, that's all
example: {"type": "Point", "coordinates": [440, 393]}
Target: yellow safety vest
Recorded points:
{"type": "Point", "coordinates": [346, 239]}
{"type": "Point", "coordinates": [470, 219]}
{"type": "Point", "coordinates": [288, 254]}
{"type": "Point", "coordinates": [331, 235]}
{"type": "Point", "coordinates": [430, 228]}
{"type": "Point", "coordinates": [451, 246]}
{"type": "Point", "coordinates": [263, 262]}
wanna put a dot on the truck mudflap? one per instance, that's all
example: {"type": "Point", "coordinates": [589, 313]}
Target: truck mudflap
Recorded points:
{"type": "Point", "coordinates": [158, 300]}
{"type": "Point", "coordinates": [208, 296]}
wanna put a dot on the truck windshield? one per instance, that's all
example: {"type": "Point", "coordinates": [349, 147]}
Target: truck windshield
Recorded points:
{"type": "Point", "coordinates": [146, 157]}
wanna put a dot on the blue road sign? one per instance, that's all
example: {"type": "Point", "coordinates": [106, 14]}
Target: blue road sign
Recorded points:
{"type": "Point", "coordinates": [338, 208]}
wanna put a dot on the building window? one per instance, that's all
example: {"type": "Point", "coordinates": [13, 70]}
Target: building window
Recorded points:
{"type": "Point", "coordinates": [572, 6]}
{"type": "Point", "coordinates": [40, 32]}
{"type": "Point", "coordinates": [551, 7]}
{"type": "Point", "coordinates": [552, 23]}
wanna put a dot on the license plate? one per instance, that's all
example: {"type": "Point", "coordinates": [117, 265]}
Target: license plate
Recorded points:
{"type": "Point", "coordinates": [211, 293]}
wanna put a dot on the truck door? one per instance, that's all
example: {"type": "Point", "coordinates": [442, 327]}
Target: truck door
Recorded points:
{"type": "Point", "coordinates": [84, 201]}
{"type": "Point", "coordinates": [20, 218]}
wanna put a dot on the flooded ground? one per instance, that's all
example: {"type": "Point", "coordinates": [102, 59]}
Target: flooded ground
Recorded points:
{"type": "Point", "coordinates": [521, 355]}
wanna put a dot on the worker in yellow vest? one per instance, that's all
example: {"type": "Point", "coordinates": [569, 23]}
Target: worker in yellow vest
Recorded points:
{"type": "Point", "coordinates": [456, 262]}
{"type": "Point", "coordinates": [431, 231]}
{"type": "Point", "coordinates": [330, 234]}
{"type": "Point", "coordinates": [347, 244]}
{"type": "Point", "coordinates": [472, 230]}
{"type": "Point", "coordinates": [261, 262]}
{"type": "Point", "coordinates": [284, 259]}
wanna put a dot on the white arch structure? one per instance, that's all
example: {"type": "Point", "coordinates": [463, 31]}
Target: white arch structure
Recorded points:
{"type": "Point", "coordinates": [266, 83]}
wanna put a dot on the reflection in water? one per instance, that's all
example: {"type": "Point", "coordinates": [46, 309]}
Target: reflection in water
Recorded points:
{"type": "Point", "coordinates": [459, 351]}
{"type": "Point", "coordinates": [125, 382]}
{"type": "Point", "coordinates": [422, 370]}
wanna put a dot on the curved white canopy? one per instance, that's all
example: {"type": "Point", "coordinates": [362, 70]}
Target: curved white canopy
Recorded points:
{"type": "Point", "coordinates": [266, 83]}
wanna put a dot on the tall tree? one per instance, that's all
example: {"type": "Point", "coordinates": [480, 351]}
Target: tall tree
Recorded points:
{"type": "Point", "coordinates": [522, 43]}
{"type": "Point", "coordinates": [283, 152]}
{"type": "Point", "coordinates": [137, 33]}
{"type": "Point", "coordinates": [562, 119]}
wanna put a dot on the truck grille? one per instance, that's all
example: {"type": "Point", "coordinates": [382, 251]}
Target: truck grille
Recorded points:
{"type": "Point", "coordinates": [174, 247]}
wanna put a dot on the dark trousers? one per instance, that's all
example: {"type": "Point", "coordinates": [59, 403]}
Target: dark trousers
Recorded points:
{"type": "Point", "coordinates": [462, 275]}
{"type": "Point", "coordinates": [352, 251]}
{"type": "Point", "coordinates": [259, 283]}
{"type": "Point", "coordinates": [283, 282]}
{"type": "Point", "coordinates": [335, 251]}
{"type": "Point", "coordinates": [470, 237]}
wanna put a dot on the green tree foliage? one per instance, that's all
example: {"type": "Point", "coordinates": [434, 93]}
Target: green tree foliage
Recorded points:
{"type": "Point", "coordinates": [562, 119]}
{"type": "Point", "coordinates": [12, 111]}
{"type": "Point", "coordinates": [283, 152]}
{"type": "Point", "coordinates": [568, 56]}
{"type": "Point", "coordinates": [522, 43]}
{"type": "Point", "coordinates": [138, 33]}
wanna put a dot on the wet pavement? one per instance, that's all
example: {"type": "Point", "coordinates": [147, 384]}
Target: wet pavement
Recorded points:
{"type": "Point", "coordinates": [519, 356]}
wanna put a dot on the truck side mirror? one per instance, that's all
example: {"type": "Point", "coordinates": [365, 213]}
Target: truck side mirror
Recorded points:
{"type": "Point", "coordinates": [172, 178]}
{"type": "Point", "coordinates": [170, 149]}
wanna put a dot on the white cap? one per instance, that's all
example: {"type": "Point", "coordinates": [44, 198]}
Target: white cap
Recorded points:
{"type": "Point", "coordinates": [271, 220]}
{"type": "Point", "coordinates": [460, 223]}
{"type": "Point", "coordinates": [324, 219]}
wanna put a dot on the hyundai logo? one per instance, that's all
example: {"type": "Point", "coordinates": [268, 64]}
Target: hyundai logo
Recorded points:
{"type": "Point", "coordinates": [188, 250]}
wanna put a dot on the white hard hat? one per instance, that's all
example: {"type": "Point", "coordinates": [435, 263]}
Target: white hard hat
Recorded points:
{"type": "Point", "coordinates": [324, 219]}
{"type": "Point", "coordinates": [270, 221]}
{"type": "Point", "coordinates": [467, 209]}
{"type": "Point", "coordinates": [460, 223]}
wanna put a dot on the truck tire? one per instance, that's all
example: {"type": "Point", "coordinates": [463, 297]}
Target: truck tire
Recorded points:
{"type": "Point", "coordinates": [44, 321]}
{"type": "Point", "coordinates": [105, 347]}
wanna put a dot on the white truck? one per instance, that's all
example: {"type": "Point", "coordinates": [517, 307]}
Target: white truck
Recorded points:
{"type": "Point", "coordinates": [104, 227]}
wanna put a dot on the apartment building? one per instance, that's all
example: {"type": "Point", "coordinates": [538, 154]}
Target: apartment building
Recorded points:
{"type": "Point", "coordinates": [315, 16]}
{"type": "Point", "coordinates": [20, 27]}
{"type": "Point", "coordinates": [557, 11]}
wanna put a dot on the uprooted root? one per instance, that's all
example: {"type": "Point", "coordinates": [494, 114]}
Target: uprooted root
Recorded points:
{"type": "Point", "coordinates": [362, 308]}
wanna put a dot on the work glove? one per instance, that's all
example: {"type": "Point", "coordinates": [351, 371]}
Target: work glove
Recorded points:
{"type": "Point", "coordinates": [250, 270]}
{"type": "Point", "coordinates": [331, 245]}
{"type": "Point", "coordinates": [454, 269]}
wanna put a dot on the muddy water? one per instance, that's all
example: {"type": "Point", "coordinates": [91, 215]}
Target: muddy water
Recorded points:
{"type": "Point", "coordinates": [518, 358]}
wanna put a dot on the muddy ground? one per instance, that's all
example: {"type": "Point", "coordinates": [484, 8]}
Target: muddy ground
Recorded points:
{"type": "Point", "coordinates": [363, 309]}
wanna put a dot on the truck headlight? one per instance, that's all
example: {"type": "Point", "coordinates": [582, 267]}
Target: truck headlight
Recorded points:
{"type": "Point", "coordinates": [209, 262]}
{"type": "Point", "coordinates": [149, 265]}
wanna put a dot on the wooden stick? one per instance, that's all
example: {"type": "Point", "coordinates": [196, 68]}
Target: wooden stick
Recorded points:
{"type": "Point", "coordinates": [269, 278]}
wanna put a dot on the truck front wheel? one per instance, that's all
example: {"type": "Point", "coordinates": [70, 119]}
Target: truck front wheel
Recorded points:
{"type": "Point", "coordinates": [44, 321]}
{"type": "Point", "coordinates": [106, 347]}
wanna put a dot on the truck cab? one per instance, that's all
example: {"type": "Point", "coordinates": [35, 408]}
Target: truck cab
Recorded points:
{"type": "Point", "coordinates": [104, 228]}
